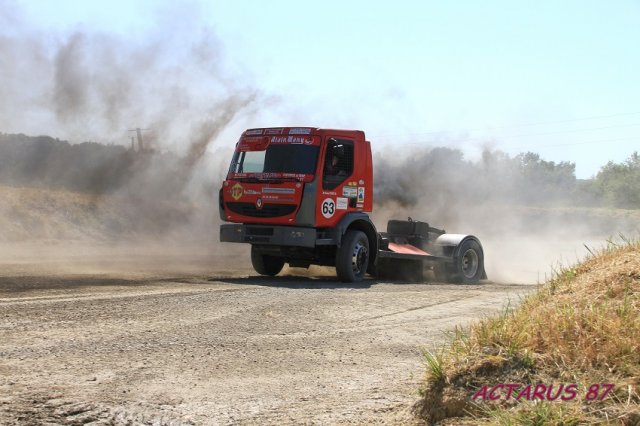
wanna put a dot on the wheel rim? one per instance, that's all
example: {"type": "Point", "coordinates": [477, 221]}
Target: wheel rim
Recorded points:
{"type": "Point", "coordinates": [359, 258]}
{"type": "Point", "coordinates": [470, 263]}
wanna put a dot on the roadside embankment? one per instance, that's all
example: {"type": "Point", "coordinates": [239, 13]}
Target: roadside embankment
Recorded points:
{"type": "Point", "coordinates": [568, 354]}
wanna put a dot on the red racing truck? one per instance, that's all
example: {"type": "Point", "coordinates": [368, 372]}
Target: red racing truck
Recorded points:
{"type": "Point", "coordinates": [300, 195]}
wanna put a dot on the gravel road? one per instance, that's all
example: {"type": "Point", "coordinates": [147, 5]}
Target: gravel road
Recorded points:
{"type": "Point", "coordinates": [132, 337]}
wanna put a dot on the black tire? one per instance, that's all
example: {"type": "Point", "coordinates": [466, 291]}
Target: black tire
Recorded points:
{"type": "Point", "coordinates": [352, 257]}
{"type": "Point", "coordinates": [468, 266]}
{"type": "Point", "coordinates": [265, 264]}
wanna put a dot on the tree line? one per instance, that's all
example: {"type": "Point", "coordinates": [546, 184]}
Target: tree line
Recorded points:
{"type": "Point", "coordinates": [523, 179]}
{"type": "Point", "coordinates": [89, 167]}
{"type": "Point", "coordinates": [443, 175]}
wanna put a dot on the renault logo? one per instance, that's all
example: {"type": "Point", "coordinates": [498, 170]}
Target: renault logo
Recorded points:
{"type": "Point", "coordinates": [259, 203]}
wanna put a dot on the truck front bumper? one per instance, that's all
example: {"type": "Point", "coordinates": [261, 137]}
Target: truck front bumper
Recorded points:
{"type": "Point", "coordinates": [268, 235]}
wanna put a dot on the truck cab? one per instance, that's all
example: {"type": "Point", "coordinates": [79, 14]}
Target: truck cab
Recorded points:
{"type": "Point", "coordinates": [298, 176]}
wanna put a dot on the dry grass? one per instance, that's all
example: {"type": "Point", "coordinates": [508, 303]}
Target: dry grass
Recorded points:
{"type": "Point", "coordinates": [581, 327]}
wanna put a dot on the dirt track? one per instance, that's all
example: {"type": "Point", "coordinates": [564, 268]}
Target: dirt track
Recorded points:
{"type": "Point", "coordinates": [180, 341]}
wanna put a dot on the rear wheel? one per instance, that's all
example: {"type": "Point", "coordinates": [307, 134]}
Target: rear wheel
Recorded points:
{"type": "Point", "coordinates": [352, 257]}
{"type": "Point", "coordinates": [265, 264]}
{"type": "Point", "coordinates": [468, 267]}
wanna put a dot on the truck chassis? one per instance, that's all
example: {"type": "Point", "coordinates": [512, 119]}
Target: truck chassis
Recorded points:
{"type": "Point", "coordinates": [405, 251]}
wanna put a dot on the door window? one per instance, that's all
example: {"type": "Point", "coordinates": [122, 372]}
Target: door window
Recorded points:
{"type": "Point", "coordinates": [338, 163]}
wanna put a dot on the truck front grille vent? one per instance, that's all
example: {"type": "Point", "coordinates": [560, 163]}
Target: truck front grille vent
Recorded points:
{"type": "Point", "coordinates": [267, 210]}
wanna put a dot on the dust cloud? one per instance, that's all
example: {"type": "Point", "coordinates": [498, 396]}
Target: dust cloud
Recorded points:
{"type": "Point", "coordinates": [84, 85]}
{"type": "Point", "coordinates": [529, 229]}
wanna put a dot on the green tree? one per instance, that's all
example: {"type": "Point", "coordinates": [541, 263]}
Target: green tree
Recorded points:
{"type": "Point", "coordinates": [544, 181]}
{"type": "Point", "coordinates": [619, 184]}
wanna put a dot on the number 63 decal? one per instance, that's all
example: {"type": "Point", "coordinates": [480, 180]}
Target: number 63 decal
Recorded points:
{"type": "Point", "coordinates": [328, 208]}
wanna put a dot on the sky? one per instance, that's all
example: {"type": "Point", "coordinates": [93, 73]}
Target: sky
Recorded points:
{"type": "Point", "coordinates": [556, 78]}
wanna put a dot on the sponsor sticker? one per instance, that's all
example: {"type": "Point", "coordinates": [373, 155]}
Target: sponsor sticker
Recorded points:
{"type": "Point", "coordinates": [361, 194]}
{"type": "Point", "coordinates": [300, 131]}
{"type": "Point", "coordinates": [273, 131]}
{"type": "Point", "coordinates": [266, 190]}
{"type": "Point", "coordinates": [328, 208]}
{"type": "Point", "coordinates": [253, 132]}
{"type": "Point", "coordinates": [349, 191]}
{"type": "Point", "coordinates": [292, 140]}
{"type": "Point", "coordinates": [342, 203]}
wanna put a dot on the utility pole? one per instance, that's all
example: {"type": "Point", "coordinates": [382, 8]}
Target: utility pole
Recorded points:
{"type": "Point", "coordinates": [139, 131]}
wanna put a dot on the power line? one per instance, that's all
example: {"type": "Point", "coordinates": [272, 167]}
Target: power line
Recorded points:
{"type": "Point", "coordinates": [594, 117]}
{"type": "Point", "coordinates": [525, 135]}
{"type": "Point", "coordinates": [542, 146]}
{"type": "Point", "coordinates": [577, 130]}
{"type": "Point", "coordinates": [383, 136]}
{"type": "Point", "coordinates": [585, 142]}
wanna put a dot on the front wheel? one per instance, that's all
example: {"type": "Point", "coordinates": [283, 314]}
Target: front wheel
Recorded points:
{"type": "Point", "coordinates": [468, 266]}
{"type": "Point", "coordinates": [265, 264]}
{"type": "Point", "coordinates": [352, 257]}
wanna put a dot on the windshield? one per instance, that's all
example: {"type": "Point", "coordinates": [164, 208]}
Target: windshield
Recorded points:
{"type": "Point", "coordinates": [277, 158]}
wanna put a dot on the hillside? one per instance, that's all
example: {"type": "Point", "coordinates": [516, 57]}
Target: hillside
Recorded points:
{"type": "Point", "coordinates": [46, 214]}
{"type": "Point", "coordinates": [563, 347]}
{"type": "Point", "coordinates": [51, 189]}
{"type": "Point", "coordinates": [39, 213]}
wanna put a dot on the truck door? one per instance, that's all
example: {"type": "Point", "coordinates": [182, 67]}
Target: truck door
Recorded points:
{"type": "Point", "coordinates": [336, 196]}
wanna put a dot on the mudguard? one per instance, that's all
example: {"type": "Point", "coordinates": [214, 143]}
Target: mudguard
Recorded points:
{"type": "Point", "coordinates": [361, 222]}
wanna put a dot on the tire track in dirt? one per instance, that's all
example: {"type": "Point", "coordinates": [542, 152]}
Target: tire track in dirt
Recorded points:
{"type": "Point", "coordinates": [431, 305]}
{"type": "Point", "coordinates": [108, 296]}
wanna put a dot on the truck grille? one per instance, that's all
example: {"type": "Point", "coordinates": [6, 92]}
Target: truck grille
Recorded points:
{"type": "Point", "coordinates": [267, 210]}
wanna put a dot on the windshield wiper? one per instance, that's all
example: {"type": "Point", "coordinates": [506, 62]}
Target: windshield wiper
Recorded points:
{"type": "Point", "coordinates": [288, 179]}
{"type": "Point", "coordinates": [255, 179]}
{"type": "Point", "coordinates": [252, 179]}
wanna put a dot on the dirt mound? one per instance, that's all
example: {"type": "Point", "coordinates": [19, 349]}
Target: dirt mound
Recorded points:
{"type": "Point", "coordinates": [27, 213]}
{"type": "Point", "coordinates": [570, 353]}
{"type": "Point", "coordinates": [45, 214]}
